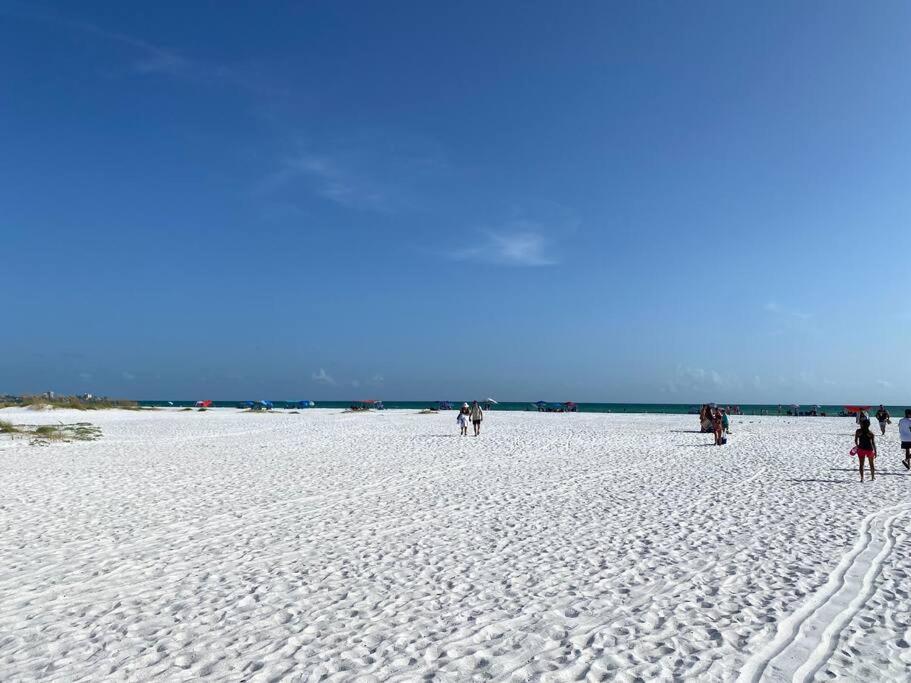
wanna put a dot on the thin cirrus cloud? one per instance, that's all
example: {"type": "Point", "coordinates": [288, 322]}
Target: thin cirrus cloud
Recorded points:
{"type": "Point", "coordinates": [149, 58]}
{"type": "Point", "coordinates": [360, 175]}
{"type": "Point", "coordinates": [518, 246]}
{"type": "Point", "coordinates": [322, 377]}
{"type": "Point", "coordinates": [330, 179]}
{"type": "Point", "coordinates": [775, 308]}
{"type": "Point", "coordinates": [695, 379]}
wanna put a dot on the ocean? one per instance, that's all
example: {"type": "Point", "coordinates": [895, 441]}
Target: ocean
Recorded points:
{"type": "Point", "coordinates": [662, 408]}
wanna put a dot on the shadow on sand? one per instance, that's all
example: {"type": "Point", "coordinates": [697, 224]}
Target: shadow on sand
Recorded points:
{"type": "Point", "coordinates": [820, 481]}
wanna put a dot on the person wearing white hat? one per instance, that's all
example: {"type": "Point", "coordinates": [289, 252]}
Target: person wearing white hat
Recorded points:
{"type": "Point", "coordinates": [462, 419]}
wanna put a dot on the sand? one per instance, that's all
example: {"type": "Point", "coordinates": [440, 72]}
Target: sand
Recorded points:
{"type": "Point", "coordinates": [326, 546]}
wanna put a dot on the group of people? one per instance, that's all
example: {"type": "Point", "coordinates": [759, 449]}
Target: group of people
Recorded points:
{"type": "Point", "coordinates": [715, 420]}
{"type": "Point", "coordinates": [865, 439]}
{"type": "Point", "coordinates": [882, 416]}
{"type": "Point", "coordinates": [473, 413]}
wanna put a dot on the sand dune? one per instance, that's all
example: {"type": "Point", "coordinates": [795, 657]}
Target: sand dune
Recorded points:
{"type": "Point", "coordinates": [325, 546]}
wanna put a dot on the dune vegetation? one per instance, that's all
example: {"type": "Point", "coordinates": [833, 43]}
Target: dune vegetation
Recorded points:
{"type": "Point", "coordinates": [39, 435]}
{"type": "Point", "coordinates": [73, 402]}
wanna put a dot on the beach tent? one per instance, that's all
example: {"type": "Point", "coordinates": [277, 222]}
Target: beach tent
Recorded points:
{"type": "Point", "coordinates": [204, 404]}
{"type": "Point", "coordinates": [303, 404]}
{"type": "Point", "coordinates": [856, 409]}
{"type": "Point", "coordinates": [265, 405]}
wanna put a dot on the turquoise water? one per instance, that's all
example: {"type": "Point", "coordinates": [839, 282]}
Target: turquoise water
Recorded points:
{"type": "Point", "coordinates": [665, 408]}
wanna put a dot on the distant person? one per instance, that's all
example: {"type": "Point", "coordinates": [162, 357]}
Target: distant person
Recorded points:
{"type": "Point", "coordinates": [861, 416]}
{"type": "Point", "coordinates": [725, 422]}
{"type": "Point", "coordinates": [705, 419]}
{"type": "Point", "coordinates": [904, 433]}
{"type": "Point", "coordinates": [717, 426]}
{"type": "Point", "coordinates": [477, 416]}
{"type": "Point", "coordinates": [865, 441]}
{"type": "Point", "coordinates": [883, 417]}
{"type": "Point", "coordinates": [462, 419]}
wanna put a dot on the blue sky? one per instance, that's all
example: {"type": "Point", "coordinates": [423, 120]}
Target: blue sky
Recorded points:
{"type": "Point", "coordinates": [639, 201]}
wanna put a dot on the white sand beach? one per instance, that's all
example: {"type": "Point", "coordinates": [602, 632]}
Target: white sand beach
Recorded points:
{"type": "Point", "coordinates": [382, 546]}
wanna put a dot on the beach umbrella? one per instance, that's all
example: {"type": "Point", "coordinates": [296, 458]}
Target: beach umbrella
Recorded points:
{"type": "Point", "coordinates": [490, 400]}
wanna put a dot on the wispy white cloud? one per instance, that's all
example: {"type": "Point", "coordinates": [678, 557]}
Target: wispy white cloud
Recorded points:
{"type": "Point", "coordinates": [332, 181]}
{"type": "Point", "coordinates": [149, 58]}
{"type": "Point", "coordinates": [345, 178]}
{"type": "Point", "coordinates": [775, 308]}
{"type": "Point", "coordinates": [884, 383]}
{"type": "Point", "coordinates": [322, 377]}
{"type": "Point", "coordinates": [519, 244]}
{"type": "Point", "coordinates": [129, 376]}
{"type": "Point", "coordinates": [702, 381]}
{"type": "Point", "coordinates": [370, 170]}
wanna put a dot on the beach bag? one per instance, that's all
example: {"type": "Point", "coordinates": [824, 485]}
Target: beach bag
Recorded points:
{"type": "Point", "coordinates": [854, 452]}
{"type": "Point", "coordinates": [724, 440]}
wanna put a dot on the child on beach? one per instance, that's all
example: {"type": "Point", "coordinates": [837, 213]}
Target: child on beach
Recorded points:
{"type": "Point", "coordinates": [865, 441]}
{"type": "Point", "coordinates": [725, 421]}
{"type": "Point", "coordinates": [462, 419]}
{"type": "Point", "coordinates": [904, 433]}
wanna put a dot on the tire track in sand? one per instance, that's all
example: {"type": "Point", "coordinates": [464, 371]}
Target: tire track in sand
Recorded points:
{"type": "Point", "coordinates": [806, 639]}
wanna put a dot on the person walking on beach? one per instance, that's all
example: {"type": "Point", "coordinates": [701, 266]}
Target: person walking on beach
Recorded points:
{"type": "Point", "coordinates": [904, 433]}
{"type": "Point", "coordinates": [725, 422]}
{"type": "Point", "coordinates": [477, 415]}
{"type": "Point", "coordinates": [717, 426]}
{"type": "Point", "coordinates": [462, 419]}
{"type": "Point", "coordinates": [865, 441]}
{"type": "Point", "coordinates": [883, 417]}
